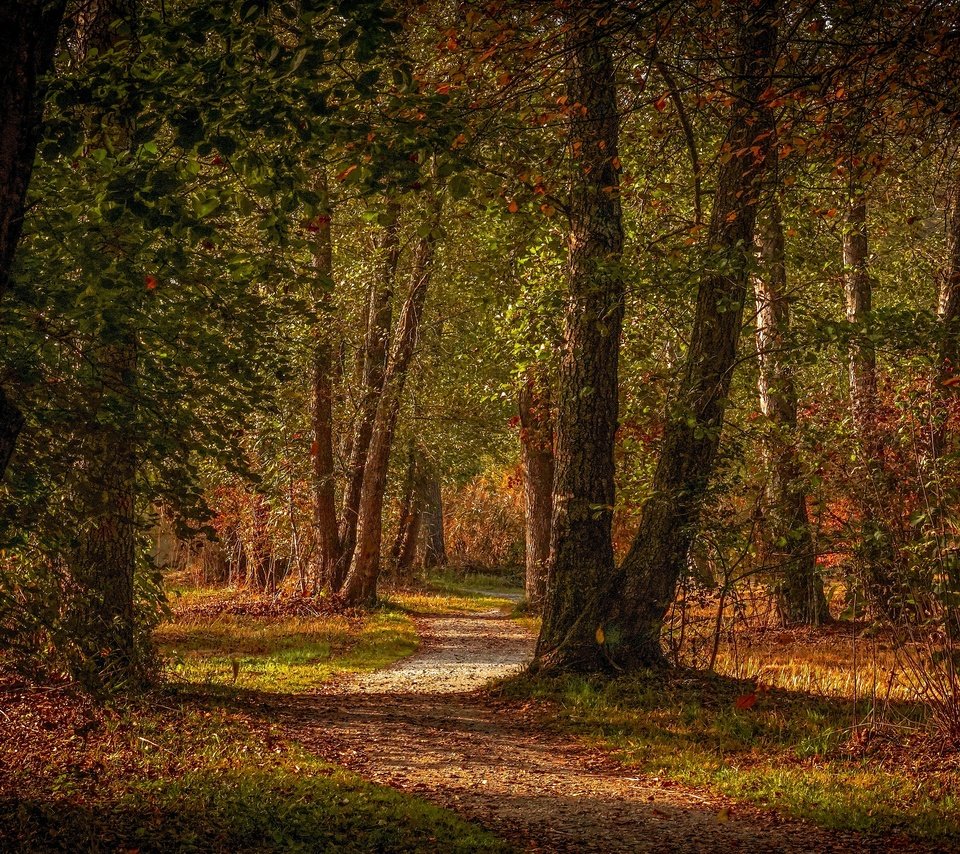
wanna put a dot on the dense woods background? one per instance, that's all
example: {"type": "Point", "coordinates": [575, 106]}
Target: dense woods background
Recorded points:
{"type": "Point", "coordinates": [656, 299]}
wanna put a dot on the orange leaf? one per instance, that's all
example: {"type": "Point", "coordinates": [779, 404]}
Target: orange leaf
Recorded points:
{"type": "Point", "coordinates": [513, 207]}
{"type": "Point", "coordinates": [150, 282]}
{"type": "Point", "coordinates": [661, 102]}
{"type": "Point", "coordinates": [746, 701]}
{"type": "Point", "coordinates": [346, 172]}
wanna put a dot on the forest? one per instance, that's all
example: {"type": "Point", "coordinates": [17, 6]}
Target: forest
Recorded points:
{"type": "Point", "coordinates": [479, 425]}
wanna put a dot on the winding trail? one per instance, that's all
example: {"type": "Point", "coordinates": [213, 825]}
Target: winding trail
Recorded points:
{"type": "Point", "coordinates": [425, 727]}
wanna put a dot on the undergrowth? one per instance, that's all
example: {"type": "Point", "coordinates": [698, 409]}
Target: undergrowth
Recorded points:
{"type": "Point", "coordinates": [795, 752]}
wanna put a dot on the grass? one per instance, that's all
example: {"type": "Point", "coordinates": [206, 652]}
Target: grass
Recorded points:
{"type": "Point", "coordinates": [441, 597]}
{"type": "Point", "coordinates": [179, 774]}
{"type": "Point", "coordinates": [201, 765]}
{"type": "Point", "coordinates": [789, 750]}
{"type": "Point", "coordinates": [291, 654]}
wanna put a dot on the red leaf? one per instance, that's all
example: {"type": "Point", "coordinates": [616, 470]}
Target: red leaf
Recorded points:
{"type": "Point", "coordinates": [150, 282]}
{"type": "Point", "coordinates": [746, 701]}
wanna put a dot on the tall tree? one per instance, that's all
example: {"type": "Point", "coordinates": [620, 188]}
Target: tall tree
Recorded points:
{"type": "Point", "coordinates": [360, 586]}
{"type": "Point", "coordinates": [877, 550]}
{"type": "Point", "coordinates": [581, 551]}
{"type": "Point", "coordinates": [691, 439]}
{"type": "Point", "coordinates": [375, 351]}
{"type": "Point", "coordinates": [786, 529]}
{"type": "Point", "coordinates": [324, 497]}
{"type": "Point", "coordinates": [103, 563]}
{"type": "Point", "coordinates": [28, 39]}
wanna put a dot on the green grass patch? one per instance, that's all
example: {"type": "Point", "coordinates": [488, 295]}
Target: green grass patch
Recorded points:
{"type": "Point", "coordinates": [439, 599]}
{"type": "Point", "coordinates": [290, 654]}
{"type": "Point", "coordinates": [788, 750]}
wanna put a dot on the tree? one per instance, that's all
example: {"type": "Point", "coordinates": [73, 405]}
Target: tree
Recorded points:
{"type": "Point", "coordinates": [536, 458]}
{"type": "Point", "coordinates": [786, 531]}
{"type": "Point", "coordinates": [360, 586]}
{"type": "Point", "coordinates": [28, 38]}
{"type": "Point", "coordinates": [581, 550]}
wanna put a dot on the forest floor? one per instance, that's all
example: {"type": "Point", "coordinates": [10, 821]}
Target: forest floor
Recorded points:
{"type": "Point", "coordinates": [286, 726]}
{"type": "Point", "coordinates": [427, 726]}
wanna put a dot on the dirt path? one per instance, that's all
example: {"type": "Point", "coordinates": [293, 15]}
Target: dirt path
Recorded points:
{"type": "Point", "coordinates": [424, 727]}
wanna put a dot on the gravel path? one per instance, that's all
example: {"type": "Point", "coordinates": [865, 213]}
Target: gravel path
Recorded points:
{"type": "Point", "coordinates": [423, 726]}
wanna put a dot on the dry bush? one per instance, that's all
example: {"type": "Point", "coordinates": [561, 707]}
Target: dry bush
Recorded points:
{"type": "Point", "coordinates": [483, 522]}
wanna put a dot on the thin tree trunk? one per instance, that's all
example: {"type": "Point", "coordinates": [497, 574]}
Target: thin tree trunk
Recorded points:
{"type": "Point", "coordinates": [324, 507]}
{"type": "Point", "coordinates": [581, 552]}
{"type": "Point", "coordinates": [379, 321]}
{"type": "Point", "coordinates": [876, 551]}
{"type": "Point", "coordinates": [429, 504]}
{"type": "Point", "coordinates": [786, 528]}
{"type": "Point", "coordinates": [948, 303]}
{"type": "Point", "coordinates": [408, 528]}
{"type": "Point", "coordinates": [646, 584]}
{"type": "Point", "coordinates": [360, 586]}
{"type": "Point", "coordinates": [28, 38]}
{"type": "Point", "coordinates": [536, 451]}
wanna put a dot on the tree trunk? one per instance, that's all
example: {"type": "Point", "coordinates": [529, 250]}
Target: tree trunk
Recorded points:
{"type": "Point", "coordinates": [948, 303]}
{"type": "Point", "coordinates": [360, 586]}
{"type": "Point", "coordinates": [429, 503]}
{"type": "Point", "coordinates": [536, 450]}
{"type": "Point", "coordinates": [876, 551]}
{"type": "Point", "coordinates": [408, 528]}
{"type": "Point", "coordinates": [379, 320]}
{"type": "Point", "coordinates": [104, 561]}
{"type": "Point", "coordinates": [28, 38]}
{"type": "Point", "coordinates": [786, 528]}
{"type": "Point", "coordinates": [102, 564]}
{"type": "Point", "coordinates": [324, 507]}
{"type": "Point", "coordinates": [646, 585]}
{"type": "Point", "coordinates": [581, 552]}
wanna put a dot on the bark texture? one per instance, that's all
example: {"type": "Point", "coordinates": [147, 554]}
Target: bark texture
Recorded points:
{"type": "Point", "coordinates": [646, 584]}
{"type": "Point", "coordinates": [360, 586]}
{"type": "Point", "coordinates": [788, 542]}
{"type": "Point", "coordinates": [28, 38]}
{"type": "Point", "coordinates": [102, 564]}
{"type": "Point", "coordinates": [581, 552]}
{"type": "Point", "coordinates": [536, 459]}
{"type": "Point", "coordinates": [104, 561]}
